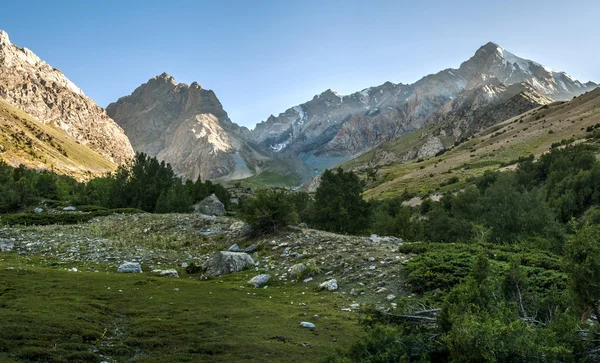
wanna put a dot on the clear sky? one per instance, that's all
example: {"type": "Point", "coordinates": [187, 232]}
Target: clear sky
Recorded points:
{"type": "Point", "coordinates": [262, 57]}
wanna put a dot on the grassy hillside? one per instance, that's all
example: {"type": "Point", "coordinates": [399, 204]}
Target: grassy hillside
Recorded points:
{"type": "Point", "coordinates": [25, 140]}
{"type": "Point", "coordinates": [498, 146]}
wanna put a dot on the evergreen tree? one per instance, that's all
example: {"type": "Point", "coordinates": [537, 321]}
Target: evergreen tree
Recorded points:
{"type": "Point", "coordinates": [339, 206]}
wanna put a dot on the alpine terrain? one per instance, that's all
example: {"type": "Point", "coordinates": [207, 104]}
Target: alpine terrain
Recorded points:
{"type": "Point", "coordinates": [186, 126]}
{"type": "Point", "coordinates": [491, 86]}
{"type": "Point", "coordinates": [43, 92]}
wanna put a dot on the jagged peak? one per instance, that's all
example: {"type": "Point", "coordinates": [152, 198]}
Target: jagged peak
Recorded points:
{"type": "Point", "coordinates": [490, 48]}
{"type": "Point", "coordinates": [4, 39]}
{"type": "Point", "coordinates": [165, 77]}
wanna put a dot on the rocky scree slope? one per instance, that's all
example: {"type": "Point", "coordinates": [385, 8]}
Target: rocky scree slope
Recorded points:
{"type": "Point", "coordinates": [366, 268]}
{"type": "Point", "coordinates": [332, 128]}
{"type": "Point", "coordinates": [186, 126]}
{"type": "Point", "coordinates": [44, 92]}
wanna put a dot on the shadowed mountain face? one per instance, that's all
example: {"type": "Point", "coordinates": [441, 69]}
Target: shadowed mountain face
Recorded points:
{"type": "Point", "coordinates": [332, 127]}
{"type": "Point", "coordinates": [43, 92]}
{"type": "Point", "coordinates": [187, 127]}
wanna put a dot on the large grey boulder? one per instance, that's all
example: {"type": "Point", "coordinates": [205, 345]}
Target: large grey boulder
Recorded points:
{"type": "Point", "coordinates": [225, 262]}
{"type": "Point", "coordinates": [211, 206]}
{"type": "Point", "coordinates": [130, 267]}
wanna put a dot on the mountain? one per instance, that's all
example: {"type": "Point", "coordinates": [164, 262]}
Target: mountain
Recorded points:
{"type": "Point", "coordinates": [332, 128]}
{"type": "Point", "coordinates": [27, 141]}
{"type": "Point", "coordinates": [44, 92]}
{"type": "Point", "coordinates": [186, 126]}
{"type": "Point", "coordinates": [389, 169]}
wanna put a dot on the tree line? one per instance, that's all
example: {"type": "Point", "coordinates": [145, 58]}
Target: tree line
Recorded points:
{"type": "Point", "coordinates": [145, 184]}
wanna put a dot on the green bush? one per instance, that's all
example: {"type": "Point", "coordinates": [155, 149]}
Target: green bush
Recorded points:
{"type": "Point", "coordinates": [269, 211]}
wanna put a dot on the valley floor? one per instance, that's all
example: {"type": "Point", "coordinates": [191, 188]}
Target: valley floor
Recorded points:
{"type": "Point", "coordinates": [50, 312]}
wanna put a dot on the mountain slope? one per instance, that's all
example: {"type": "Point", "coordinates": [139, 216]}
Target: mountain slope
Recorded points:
{"type": "Point", "coordinates": [187, 127]}
{"type": "Point", "coordinates": [331, 128]}
{"type": "Point", "coordinates": [532, 132]}
{"type": "Point", "coordinates": [33, 86]}
{"type": "Point", "coordinates": [25, 140]}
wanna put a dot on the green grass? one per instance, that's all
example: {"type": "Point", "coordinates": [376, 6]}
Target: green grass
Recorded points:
{"type": "Point", "coordinates": [25, 140]}
{"type": "Point", "coordinates": [58, 316]}
{"type": "Point", "coordinates": [269, 178]}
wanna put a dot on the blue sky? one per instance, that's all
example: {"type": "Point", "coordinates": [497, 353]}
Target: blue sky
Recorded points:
{"type": "Point", "coordinates": [262, 57]}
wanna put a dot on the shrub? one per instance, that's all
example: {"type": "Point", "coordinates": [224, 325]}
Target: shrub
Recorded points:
{"type": "Point", "coordinates": [269, 211]}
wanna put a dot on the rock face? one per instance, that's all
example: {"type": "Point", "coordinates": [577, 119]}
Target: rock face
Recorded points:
{"type": "Point", "coordinates": [210, 206]}
{"type": "Point", "coordinates": [187, 127]}
{"type": "Point", "coordinates": [44, 92]}
{"type": "Point", "coordinates": [222, 263]}
{"type": "Point", "coordinates": [331, 128]}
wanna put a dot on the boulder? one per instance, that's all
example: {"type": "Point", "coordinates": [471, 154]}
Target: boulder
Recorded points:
{"type": "Point", "coordinates": [166, 273]}
{"type": "Point", "coordinates": [259, 280]}
{"type": "Point", "coordinates": [297, 270]}
{"type": "Point", "coordinates": [210, 206]}
{"type": "Point", "coordinates": [240, 229]}
{"type": "Point", "coordinates": [225, 262]}
{"type": "Point", "coordinates": [330, 285]}
{"type": "Point", "coordinates": [130, 267]}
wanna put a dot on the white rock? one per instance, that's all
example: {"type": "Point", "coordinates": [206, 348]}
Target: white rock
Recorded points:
{"type": "Point", "coordinates": [259, 280]}
{"type": "Point", "coordinates": [330, 285]}
{"type": "Point", "coordinates": [306, 324]}
{"type": "Point", "coordinates": [130, 267]}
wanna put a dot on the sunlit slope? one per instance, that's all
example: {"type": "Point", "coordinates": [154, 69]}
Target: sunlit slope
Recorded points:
{"type": "Point", "coordinates": [25, 140]}
{"type": "Point", "coordinates": [532, 132]}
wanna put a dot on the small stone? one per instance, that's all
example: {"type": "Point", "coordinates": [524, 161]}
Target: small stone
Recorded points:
{"type": "Point", "coordinates": [391, 297]}
{"type": "Point", "coordinates": [184, 264]}
{"type": "Point", "coordinates": [176, 289]}
{"type": "Point", "coordinates": [308, 325]}
{"type": "Point", "coordinates": [69, 209]}
{"type": "Point", "coordinates": [38, 210]}
{"type": "Point", "coordinates": [203, 278]}
{"type": "Point", "coordinates": [297, 270]}
{"type": "Point", "coordinates": [259, 280]}
{"type": "Point", "coordinates": [251, 249]}
{"type": "Point", "coordinates": [330, 285]}
{"type": "Point", "coordinates": [130, 267]}
{"type": "Point", "coordinates": [308, 279]}
{"type": "Point", "coordinates": [9, 268]}
{"type": "Point", "coordinates": [166, 273]}
{"type": "Point", "coordinates": [234, 248]}
{"type": "Point", "coordinates": [371, 259]}
{"type": "Point", "coordinates": [74, 269]}
{"type": "Point", "coordinates": [372, 267]}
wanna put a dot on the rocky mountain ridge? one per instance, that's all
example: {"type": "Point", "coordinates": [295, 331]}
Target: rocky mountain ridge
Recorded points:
{"type": "Point", "coordinates": [32, 85]}
{"type": "Point", "coordinates": [187, 127]}
{"type": "Point", "coordinates": [331, 128]}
